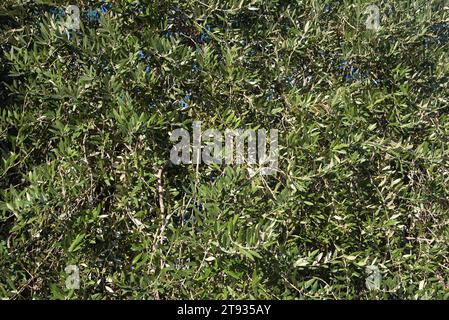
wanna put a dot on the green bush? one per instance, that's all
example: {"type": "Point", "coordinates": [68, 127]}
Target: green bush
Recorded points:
{"type": "Point", "coordinates": [363, 170]}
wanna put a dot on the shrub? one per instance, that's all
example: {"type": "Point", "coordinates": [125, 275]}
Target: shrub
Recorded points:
{"type": "Point", "coordinates": [363, 169]}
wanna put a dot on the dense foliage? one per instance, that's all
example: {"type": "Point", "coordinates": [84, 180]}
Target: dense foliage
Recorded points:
{"type": "Point", "coordinates": [363, 177]}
